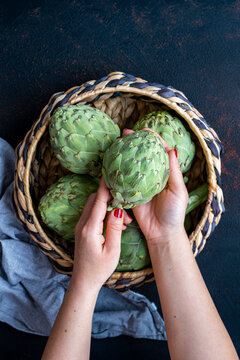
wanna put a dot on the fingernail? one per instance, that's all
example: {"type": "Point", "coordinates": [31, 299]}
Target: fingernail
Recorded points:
{"type": "Point", "coordinates": [175, 151]}
{"type": "Point", "coordinates": [118, 213]}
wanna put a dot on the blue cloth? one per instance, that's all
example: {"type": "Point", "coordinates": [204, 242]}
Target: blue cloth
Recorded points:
{"type": "Point", "coordinates": [31, 291]}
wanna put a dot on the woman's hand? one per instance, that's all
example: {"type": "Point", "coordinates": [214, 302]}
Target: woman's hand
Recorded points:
{"type": "Point", "coordinates": [165, 213]}
{"type": "Point", "coordinates": [95, 260]}
{"type": "Point", "coordinates": [97, 257]}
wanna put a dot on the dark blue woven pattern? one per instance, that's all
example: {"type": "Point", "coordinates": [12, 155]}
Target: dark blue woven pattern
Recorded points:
{"type": "Point", "coordinates": [213, 148]}
{"type": "Point", "coordinates": [20, 184]}
{"type": "Point", "coordinates": [61, 268]}
{"type": "Point", "coordinates": [126, 288]}
{"type": "Point", "coordinates": [37, 236]}
{"type": "Point", "coordinates": [64, 100]}
{"type": "Point", "coordinates": [219, 180]}
{"type": "Point", "coordinates": [215, 207]}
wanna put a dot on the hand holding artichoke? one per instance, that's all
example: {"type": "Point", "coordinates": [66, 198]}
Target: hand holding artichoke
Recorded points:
{"type": "Point", "coordinates": [135, 168]}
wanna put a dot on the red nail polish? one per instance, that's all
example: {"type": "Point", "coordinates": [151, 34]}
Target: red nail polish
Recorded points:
{"type": "Point", "coordinates": [175, 151]}
{"type": "Point", "coordinates": [118, 213]}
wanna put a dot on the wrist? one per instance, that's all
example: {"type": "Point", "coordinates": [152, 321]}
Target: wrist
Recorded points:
{"type": "Point", "coordinates": [166, 237]}
{"type": "Point", "coordinates": [84, 288]}
{"type": "Point", "coordinates": [172, 248]}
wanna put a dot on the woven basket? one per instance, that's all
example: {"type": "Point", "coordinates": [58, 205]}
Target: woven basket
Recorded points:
{"type": "Point", "coordinates": [125, 98]}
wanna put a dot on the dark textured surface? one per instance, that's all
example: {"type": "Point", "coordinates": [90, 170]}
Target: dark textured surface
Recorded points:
{"type": "Point", "coordinates": [50, 46]}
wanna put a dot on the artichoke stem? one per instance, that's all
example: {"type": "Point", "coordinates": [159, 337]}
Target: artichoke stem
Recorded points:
{"type": "Point", "coordinates": [197, 197]}
{"type": "Point", "coordinates": [114, 204]}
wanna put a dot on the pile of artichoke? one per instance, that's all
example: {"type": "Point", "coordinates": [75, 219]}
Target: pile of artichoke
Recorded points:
{"type": "Point", "coordinates": [135, 168]}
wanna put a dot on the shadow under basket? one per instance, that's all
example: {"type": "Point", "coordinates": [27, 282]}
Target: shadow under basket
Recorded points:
{"type": "Point", "coordinates": [125, 98]}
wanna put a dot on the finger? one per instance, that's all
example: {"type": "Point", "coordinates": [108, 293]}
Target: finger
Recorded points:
{"type": "Point", "coordinates": [126, 132]}
{"type": "Point", "coordinates": [175, 181]}
{"type": "Point", "coordinates": [114, 230]}
{"type": "Point", "coordinates": [87, 208]}
{"type": "Point", "coordinates": [99, 207]}
{"type": "Point", "coordinates": [127, 219]}
{"type": "Point", "coordinates": [85, 214]}
{"type": "Point", "coordinates": [165, 144]}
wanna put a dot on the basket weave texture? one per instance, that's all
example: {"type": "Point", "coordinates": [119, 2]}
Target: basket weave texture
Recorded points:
{"type": "Point", "coordinates": [125, 98]}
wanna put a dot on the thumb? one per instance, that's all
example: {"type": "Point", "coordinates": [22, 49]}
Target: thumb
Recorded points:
{"type": "Point", "coordinates": [175, 181]}
{"type": "Point", "coordinates": [114, 229]}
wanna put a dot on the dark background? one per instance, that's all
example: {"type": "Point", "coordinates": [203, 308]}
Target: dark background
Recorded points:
{"type": "Point", "coordinates": [50, 46]}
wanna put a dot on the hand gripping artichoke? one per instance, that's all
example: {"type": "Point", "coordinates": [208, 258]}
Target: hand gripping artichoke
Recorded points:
{"type": "Point", "coordinates": [80, 135]}
{"type": "Point", "coordinates": [62, 205]}
{"type": "Point", "coordinates": [135, 168]}
{"type": "Point", "coordinates": [171, 129]}
{"type": "Point", "coordinates": [134, 251]}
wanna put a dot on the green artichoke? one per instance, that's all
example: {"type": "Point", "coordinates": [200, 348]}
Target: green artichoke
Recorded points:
{"type": "Point", "coordinates": [134, 251]}
{"type": "Point", "coordinates": [135, 168]}
{"type": "Point", "coordinates": [79, 136]}
{"type": "Point", "coordinates": [171, 129]}
{"type": "Point", "coordinates": [62, 205]}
